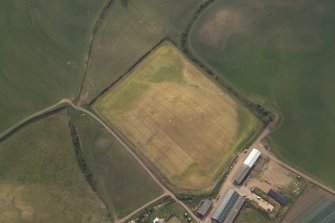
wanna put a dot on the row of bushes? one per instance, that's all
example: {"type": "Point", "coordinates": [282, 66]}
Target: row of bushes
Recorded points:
{"type": "Point", "coordinates": [129, 70]}
{"type": "Point", "coordinates": [97, 24]}
{"type": "Point", "coordinates": [80, 158]}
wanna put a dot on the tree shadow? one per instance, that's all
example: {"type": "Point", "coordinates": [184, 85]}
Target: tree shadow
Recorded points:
{"type": "Point", "coordinates": [124, 3]}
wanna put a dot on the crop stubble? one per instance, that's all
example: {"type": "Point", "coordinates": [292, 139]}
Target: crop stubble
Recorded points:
{"type": "Point", "coordinates": [179, 119]}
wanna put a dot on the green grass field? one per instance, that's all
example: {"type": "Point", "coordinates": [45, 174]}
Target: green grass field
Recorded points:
{"type": "Point", "coordinates": [40, 180]}
{"type": "Point", "coordinates": [128, 32]}
{"type": "Point", "coordinates": [181, 121]}
{"type": "Point", "coordinates": [122, 182]}
{"type": "Point", "coordinates": [43, 48]}
{"type": "Point", "coordinates": [250, 215]}
{"type": "Point", "coordinates": [281, 53]}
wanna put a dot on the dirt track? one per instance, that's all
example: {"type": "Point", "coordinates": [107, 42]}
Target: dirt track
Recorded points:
{"type": "Point", "coordinates": [257, 144]}
{"type": "Point", "coordinates": [165, 189]}
{"type": "Point", "coordinates": [225, 186]}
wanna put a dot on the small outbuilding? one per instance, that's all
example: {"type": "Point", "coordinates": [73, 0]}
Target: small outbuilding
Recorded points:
{"type": "Point", "coordinates": [277, 197]}
{"type": "Point", "coordinates": [204, 208]}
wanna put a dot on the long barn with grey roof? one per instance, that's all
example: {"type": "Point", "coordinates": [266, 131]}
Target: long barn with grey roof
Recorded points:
{"type": "Point", "coordinates": [235, 210]}
{"type": "Point", "coordinates": [248, 163]}
{"type": "Point", "coordinates": [204, 208]}
{"type": "Point", "coordinates": [225, 206]}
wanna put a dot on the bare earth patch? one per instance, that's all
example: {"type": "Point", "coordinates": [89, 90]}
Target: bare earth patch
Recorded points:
{"type": "Point", "coordinates": [270, 175]}
{"type": "Point", "coordinates": [312, 202]}
{"type": "Point", "coordinates": [12, 204]}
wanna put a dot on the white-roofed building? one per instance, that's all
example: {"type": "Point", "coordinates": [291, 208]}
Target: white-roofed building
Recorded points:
{"type": "Point", "coordinates": [252, 158]}
{"type": "Point", "coordinates": [248, 163]}
{"type": "Point", "coordinates": [158, 220]}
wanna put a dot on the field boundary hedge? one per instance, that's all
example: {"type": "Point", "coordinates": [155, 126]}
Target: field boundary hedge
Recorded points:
{"type": "Point", "coordinates": [83, 166]}
{"type": "Point", "coordinates": [263, 113]}
{"type": "Point", "coordinates": [98, 22]}
{"type": "Point", "coordinates": [128, 71]}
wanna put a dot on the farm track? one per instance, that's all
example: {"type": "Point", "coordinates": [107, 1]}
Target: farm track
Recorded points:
{"type": "Point", "coordinates": [257, 143]}
{"type": "Point", "coordinates": [67, 101]}
{"type": "Point", "coordinates": [31, 117]}
{"type": "Point", "coordinates": [165, 189]}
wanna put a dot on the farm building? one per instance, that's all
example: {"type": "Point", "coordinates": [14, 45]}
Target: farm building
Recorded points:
{"type": "Point", "coordinates": [277, 197]}
{"type": "Point", "coordinates": [204, 208]}
{"type": "Point", "coordinates": [248, 163]}
{"type": "Point", "coordinates": [158, 220]}
{"type": "Point", "coordinates": [235, 210]}
{"type": "Point", "coordinates": [241, 174]}
{"type": "Point", "coordinates": [225, 206]}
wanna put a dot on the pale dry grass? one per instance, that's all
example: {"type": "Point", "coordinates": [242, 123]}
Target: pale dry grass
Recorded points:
{"type": "Point", "coordinates": [223, 24]}
{"type": "Point", "coordinates": [186, 128]}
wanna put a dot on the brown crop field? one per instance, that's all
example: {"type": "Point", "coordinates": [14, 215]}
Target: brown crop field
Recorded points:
{"type": "Point", "coordinates": [181, 121]}
{"type": "Point", "coordinates": [314, 205]}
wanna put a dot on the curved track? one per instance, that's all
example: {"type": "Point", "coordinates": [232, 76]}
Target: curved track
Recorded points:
{"type": "Point", "coordinates": [166, 192]}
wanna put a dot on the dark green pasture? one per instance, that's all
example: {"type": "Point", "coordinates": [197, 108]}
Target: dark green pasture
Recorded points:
{"type": "Point", "coordinates": [283, 54]}
{"type": "Point", "coordinates": [43, 45]}
{"type": "Point", "coordinates": [130, 29]}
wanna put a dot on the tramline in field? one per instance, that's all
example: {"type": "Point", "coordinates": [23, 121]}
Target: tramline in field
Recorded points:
{"type": "Point", "coordinates": [181, 121]}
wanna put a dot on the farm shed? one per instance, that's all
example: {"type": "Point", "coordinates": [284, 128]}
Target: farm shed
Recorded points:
{"type": "Point", "coordinates": [225, 206]}
{"type": "Point", "coordinates": [246, 166]}
{"type": "Point", "coordinates": [277, 197]}
{"type": "Point", "coordinates": [204, 207]}
{"type": "Point", "coordinates": [235, 210]}
{"type": "Point", "coordinates": [241, 174]}
{"type": "Point", "coordinates": [252, 158]}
